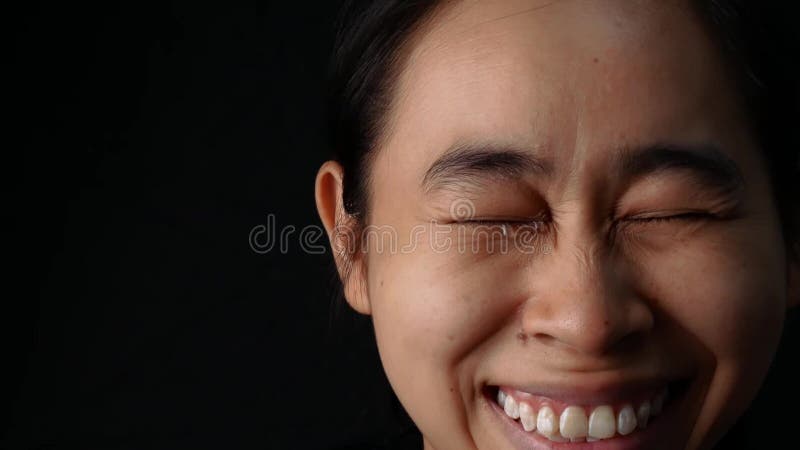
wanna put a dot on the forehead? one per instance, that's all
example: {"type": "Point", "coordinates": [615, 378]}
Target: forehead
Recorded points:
{"type": "Point", "coordinates": [564, 77]}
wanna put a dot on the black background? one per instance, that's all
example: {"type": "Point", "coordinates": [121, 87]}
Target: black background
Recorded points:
{"type": "Point", "coordinates": [146, 142]}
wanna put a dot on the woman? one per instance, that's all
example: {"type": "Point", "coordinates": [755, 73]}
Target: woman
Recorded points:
{"type": "Point", "coordinates": [571, 221]}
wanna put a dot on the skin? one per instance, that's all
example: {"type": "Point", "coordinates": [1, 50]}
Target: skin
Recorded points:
{"type": "Point", "coordinates": [575, 83]}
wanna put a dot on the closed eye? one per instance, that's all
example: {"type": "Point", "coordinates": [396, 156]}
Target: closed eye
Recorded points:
{"type": "Point", "coordinates": [511, 222]}
{"type": "Point", "coordinates": [685, 216]}
{"type": "Point", "coordinates": [508, 227]}
{"type": "Point", "coordinates": [508, 222]}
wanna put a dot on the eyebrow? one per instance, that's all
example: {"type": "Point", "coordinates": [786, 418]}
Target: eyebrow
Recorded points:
{"type": "Point", "coordinates": [707, 163]}
{"type": "Point", "coordinates": [470, 164]}
{"type": "Point", "coordinates": [473, 164]}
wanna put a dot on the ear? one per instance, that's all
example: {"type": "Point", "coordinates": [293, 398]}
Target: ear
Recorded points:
{"type": "Point", "coordinates": [343, 234]}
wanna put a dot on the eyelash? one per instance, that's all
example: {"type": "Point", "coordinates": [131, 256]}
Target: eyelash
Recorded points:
{"type": "Point", "coordinates": [501, 222]}
{"type": "Point", "coordinates": [539, 224]}
{"type": "Point", "coordinates": [692, 216]}
{"type": "Point", "coordinates": [687, 216]}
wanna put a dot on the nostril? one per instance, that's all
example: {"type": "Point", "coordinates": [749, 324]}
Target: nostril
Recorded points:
{"type": "Point", "coordinates": [543, 338]}
{"type": "Point", "coordinates": [630, 342]}
{"type": "Point", "coordinates": [605, 343]}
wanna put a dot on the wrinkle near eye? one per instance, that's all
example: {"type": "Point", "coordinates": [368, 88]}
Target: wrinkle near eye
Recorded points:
{"type": "Point", "coordinates": [677, 192]}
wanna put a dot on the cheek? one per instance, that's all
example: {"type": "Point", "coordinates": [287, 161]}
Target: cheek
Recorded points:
{"type": "Point", "coordinates": [726, 300]}
{"type": "Point", "coordinates": [435, 307]}
{"type": "Point", "coordinates": [728, 293]}
{"type": "Point", "coordinates": [432, 313]}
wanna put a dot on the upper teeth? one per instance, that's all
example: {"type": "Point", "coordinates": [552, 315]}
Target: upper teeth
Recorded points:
{"type": "Point", "coordinates": [574, 425]}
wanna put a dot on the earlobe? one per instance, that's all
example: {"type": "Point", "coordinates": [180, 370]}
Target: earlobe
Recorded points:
{"type": "Point", "coordinates": [341, 229]}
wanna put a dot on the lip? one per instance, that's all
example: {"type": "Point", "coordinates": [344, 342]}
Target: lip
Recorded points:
{"type": "Point", "coordinates": [654, 436]}
{"type": "Point", "coordinates": [598, 394]}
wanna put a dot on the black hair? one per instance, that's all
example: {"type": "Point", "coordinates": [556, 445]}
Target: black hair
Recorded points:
{"type": "Point", "coordinates": [368, 56]}
{"type": "Point", "coordinates": [364, 67]}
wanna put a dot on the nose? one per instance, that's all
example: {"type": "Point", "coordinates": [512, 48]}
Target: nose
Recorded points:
{"type": "Point", "coordinates": [582, 299]}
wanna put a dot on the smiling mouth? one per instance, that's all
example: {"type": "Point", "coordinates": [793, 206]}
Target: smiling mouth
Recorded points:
{"type": "Point", "coordinates": [548, 419]}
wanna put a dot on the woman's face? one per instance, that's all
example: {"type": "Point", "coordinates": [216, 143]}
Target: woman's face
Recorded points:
{"type": "Point", "coordinates": [582, 222]}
